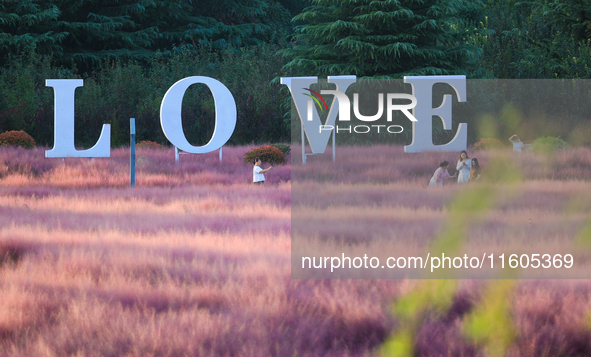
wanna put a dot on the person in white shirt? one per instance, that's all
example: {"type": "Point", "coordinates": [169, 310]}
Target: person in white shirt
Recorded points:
{"type": "Point", "coordinates": [517, 144]}
{"type": "Point", "coordinates": [257, 172]}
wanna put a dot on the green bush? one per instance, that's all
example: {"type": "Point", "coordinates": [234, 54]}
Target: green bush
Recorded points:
{"type": "Point", "coordinates": [547, 145]}
{"type": "Point", "coordinates": [267, 153]}
{"type": "Point", "coordinates": [17, 138]}
{"type": "Point", "coordinates": [285, 149]}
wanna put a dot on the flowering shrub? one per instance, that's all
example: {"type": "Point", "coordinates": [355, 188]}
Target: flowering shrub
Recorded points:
{"type": "Point", "coordinates": [267, 153]}
{"type": "Point", "coordinates": [146, 144]}
{"type": "Point", "coordinates": [17, 138]}
{"type": "Point", "coordinates": [488, 143]}
{"type": "Point", "coordinates": [285, 149]}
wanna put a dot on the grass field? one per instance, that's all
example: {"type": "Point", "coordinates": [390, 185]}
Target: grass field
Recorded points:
{"type": "Point", "coordinates": [195, 260]}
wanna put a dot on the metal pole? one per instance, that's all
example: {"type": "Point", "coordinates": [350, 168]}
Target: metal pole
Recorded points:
{"type": "Point", "coordinates": [176, 155]}
{"type": "Point", "coordinates": [221, 153]}
{"type": "Point", "coordinates": [303, 146]}
{"type": "Point", "coordinates": [132, 151]}
{"type": "Point", "coordinates": [334, 145]}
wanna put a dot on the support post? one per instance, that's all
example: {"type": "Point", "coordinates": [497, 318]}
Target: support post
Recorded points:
{"type": "Point", "coordinates": [132, 151]}
{"type": "Point", "coordinates": [221, 153]}
{"type": "Point", "coordinates": [176, 155]}
{"type": "Point", "coordinates": [334, 145]}
{"type": "Point", "coordinates": [303, 145]}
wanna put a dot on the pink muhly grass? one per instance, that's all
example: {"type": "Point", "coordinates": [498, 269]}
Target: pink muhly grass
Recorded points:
{"type": "Point", "coordinates": [188, 270]}
{"type": "Point", "coordinates": [172, 293]}
{"type": "Point", "coordinates": [24, 168]}
{"type": "Point", "coordinates": [196, 259]}
{"type": "Point", "coordinates": [381, 164]}
{"type": "Point", "coordinates": [552, 318]}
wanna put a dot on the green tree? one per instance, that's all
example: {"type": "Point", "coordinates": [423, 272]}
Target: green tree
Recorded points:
{"type": "Point", "coordinates": [218, 23]}
{"type": "Point", "coordinates": [103, 29]}
{"type": "Point", "coordinates": [17, 21]}
{"type": "Point", "coordinates": [85, 32]}
{"type": "Point", "coordinates": [571, 17]}
{"type": "Point", "coordinates": [384, 39]}
{"type": "Point", "coordinates": [537, 39]}
{"type": "Point", "coordinates": [295, 6]}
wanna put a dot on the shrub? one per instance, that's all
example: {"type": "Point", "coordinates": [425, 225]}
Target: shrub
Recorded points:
{"type": "Point", "coordinates": [146, 144]}
{"type": "Point", "coordinates": [17, 138]}
{"type": "Point", "coordinates": [267, 153]}
{"type": "Point", "coordinates": [547, 145]}
{"type": "Point", "coordinates": [488, 144]}
{"type": "Point", "coordinates": [285, 149]}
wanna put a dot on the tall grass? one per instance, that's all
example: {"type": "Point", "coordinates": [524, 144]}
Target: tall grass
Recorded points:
{"type": "Point", "coordinates": [389, 163]}
{"type": "Point", "coordinates": [155, 167]}
{"type": "Point", "coordinates": [196, 260]}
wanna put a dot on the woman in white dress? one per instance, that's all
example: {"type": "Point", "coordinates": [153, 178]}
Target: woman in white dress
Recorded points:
{"type": "Point", "coordinates": [464, 165]}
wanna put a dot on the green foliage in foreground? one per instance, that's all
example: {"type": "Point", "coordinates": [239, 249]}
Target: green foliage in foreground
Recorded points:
{"type": "Point", "coordinates": [489, 324]}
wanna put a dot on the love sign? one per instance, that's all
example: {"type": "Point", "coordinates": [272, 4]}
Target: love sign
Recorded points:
{"type": "Point", "coordinates": [170, 118]}
{"type": "Point", "coordinates": [225, 114]}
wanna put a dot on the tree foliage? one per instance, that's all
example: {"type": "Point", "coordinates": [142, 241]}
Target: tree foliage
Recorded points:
{"type": "Point", "coordinates": [131, 51]}
{"type": "Point", "coordinates": [119, 90]}
{"type": "Point", "coordinates": [85, 32]}
{"type": "Point", "coordinates": [537, 39]}
{"type": "Point", "coordinates": [383, 39]}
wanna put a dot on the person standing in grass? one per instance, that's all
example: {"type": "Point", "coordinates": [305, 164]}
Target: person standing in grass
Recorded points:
{"type": "Point", "coordinates": [464, 165]}
{"type": "Point", "coordinates": [475, 170]}
{"type": "Point", "coordinates": [518, 145]}
{"type": "Point", "coordinates": [440, 175]}
{"type": "Point", "coordinates": [258, 177]}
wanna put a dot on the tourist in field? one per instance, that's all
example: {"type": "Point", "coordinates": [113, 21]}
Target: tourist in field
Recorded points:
{"type": "Point", "coordinates": [475, 170]}
{"type": "Point", "coordinates": [440, 175]}
{"type": "Point", "coordinates": [517, 143]}
{"type": "Point", "coordinates": [257, 172]}
{"type": "Point", "coordinates": [464, 165]}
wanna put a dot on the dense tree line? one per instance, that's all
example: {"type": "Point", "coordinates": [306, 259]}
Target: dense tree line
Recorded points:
{"type": "Point", "coordinates": [137, 49]}
{"type": "Point", "coordinates": [117, 91]}
{"type": "Point", "coordinates": [482, 39]}
{"type": "Point", "coordinates": [84, 32]}
{"type": "Point", "coordinates": [383, 39]}
{"type": "Point", "coordinates": [131, 52]}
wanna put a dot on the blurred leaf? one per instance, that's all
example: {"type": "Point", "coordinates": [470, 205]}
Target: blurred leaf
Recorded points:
{"type": "Point", "coordinates": [584, 235]}
{"type": "Point", "coordinates": [502, 169]}
{"type": "Point", "coordinates": [432, 294]}
{"type": "Point", "coordinates": [491, 324]}
{"type": "Point", "coordinates": [511, 118]}
{"type": "Point", "coordinates": [487, 127]}
{"type": "Point", "coordinates": [399, 345]}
